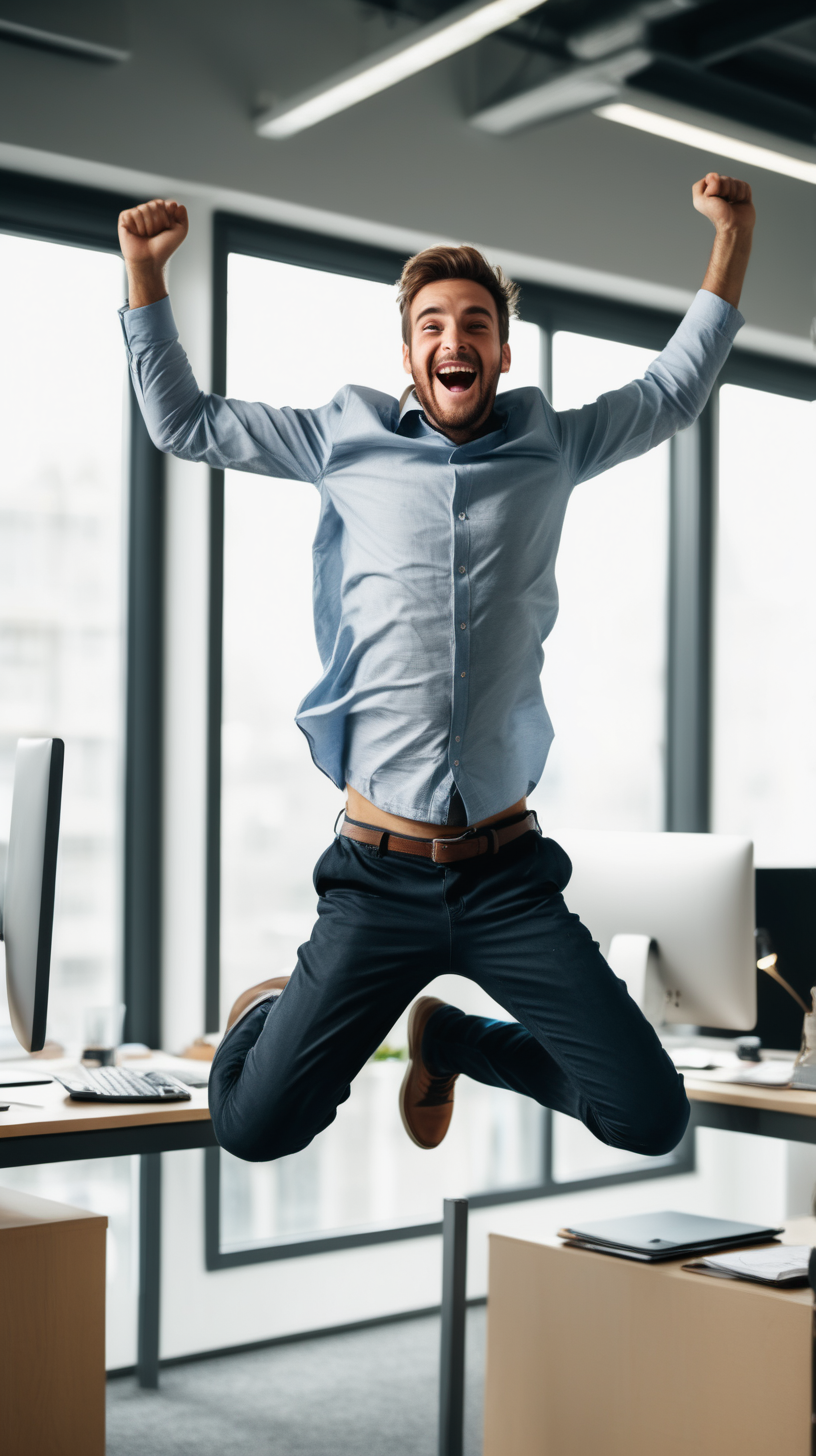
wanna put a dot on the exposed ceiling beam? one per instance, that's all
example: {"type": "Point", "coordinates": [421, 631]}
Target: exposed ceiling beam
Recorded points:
{"type": "Point", "coordinates": [667, 57]}
{"type": "Point", "coordinates": [579, 89]}
{"type": "Point", "coordinates": [726, 28]}
{"type": "Point", "coordinates": [455, 31]}
{"type": "Point", "coordinates": [91, 30]}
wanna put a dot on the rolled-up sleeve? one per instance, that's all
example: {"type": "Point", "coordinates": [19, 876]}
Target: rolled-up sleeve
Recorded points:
{"type": "Point", "coordinates": [229, 434]}
{"type": "Point", "coordinates": [629, 421]}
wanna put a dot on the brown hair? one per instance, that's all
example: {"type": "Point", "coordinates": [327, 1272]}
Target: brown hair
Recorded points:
{"type": "Point", "coordinates": [434, 264]}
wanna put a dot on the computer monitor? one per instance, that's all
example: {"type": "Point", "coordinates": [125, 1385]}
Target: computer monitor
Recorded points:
{"type": "Point", "coordinates": [27, 898]}
{"type": "Point", "coordinates": [674, 915]}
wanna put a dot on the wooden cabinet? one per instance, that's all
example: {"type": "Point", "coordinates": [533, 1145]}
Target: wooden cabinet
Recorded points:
{"type": "Point", "coordinates": [589, 1355]}
{"type": "Point", "coordinates": [52, 1328]}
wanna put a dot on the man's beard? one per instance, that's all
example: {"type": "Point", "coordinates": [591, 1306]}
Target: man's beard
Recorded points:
{"type": "Point", "coordinates": [483, 397]}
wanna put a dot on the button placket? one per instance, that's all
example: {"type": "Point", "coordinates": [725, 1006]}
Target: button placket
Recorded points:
{"type": "Point", "coordinates": [461, 615]}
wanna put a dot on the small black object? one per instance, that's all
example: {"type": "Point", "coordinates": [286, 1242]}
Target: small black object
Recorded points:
{"type": "Point", "coordinates": [747, 1048]}
{"type": "Point", "coordinates": [98, 1057]}
{"type": "Point", "coordinates": [812, 1270]}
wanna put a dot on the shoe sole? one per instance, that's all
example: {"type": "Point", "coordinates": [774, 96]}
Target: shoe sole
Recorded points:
{"type": "Point", "coordinates": [415, 1053]}
{"type": "Point", "coordinates": [273, 987]}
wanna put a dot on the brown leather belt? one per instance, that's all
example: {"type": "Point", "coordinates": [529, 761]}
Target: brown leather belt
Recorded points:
{"type": "Point", "coordinates": [442, 851]}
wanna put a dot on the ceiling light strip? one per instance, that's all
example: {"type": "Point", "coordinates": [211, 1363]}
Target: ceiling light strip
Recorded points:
{"type": "Point", "coordinates": [709, 141]}
{"type": "Point", "coordinates": [454, 32]}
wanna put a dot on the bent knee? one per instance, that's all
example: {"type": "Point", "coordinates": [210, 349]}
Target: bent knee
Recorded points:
{"type": "Point", "coordinates": [255, 1144]}
{"type": "Point", "coordinates": [652, 1128]}
{"type": "Point", "coordinates": [661, 1131]}
{"type": "Point", "coordinates": [255, 1138]}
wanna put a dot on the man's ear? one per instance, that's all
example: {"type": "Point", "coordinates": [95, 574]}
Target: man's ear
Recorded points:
{"type": "Point", "coordinates": [505, 363]}
{"type": "Point", "coordinates": [406, 359]}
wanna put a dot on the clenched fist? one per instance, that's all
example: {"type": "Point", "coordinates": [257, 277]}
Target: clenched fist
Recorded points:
{"type": "Point", "coordinates": [725, 201]}
{"type": "Point", "coordinates": [148, 236]}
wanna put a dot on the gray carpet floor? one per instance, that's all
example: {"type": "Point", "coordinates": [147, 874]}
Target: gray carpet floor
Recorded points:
{"type": "Point", "coordinates": [358, 1394]}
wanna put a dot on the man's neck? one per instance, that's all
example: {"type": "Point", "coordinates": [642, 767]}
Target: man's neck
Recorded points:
{"type": "Point", "coordinates": [463, 437]}
{"type": "Point", "coordinates": [489, 423]}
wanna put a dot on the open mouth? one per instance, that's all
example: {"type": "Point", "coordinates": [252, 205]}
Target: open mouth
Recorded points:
{"type": "Point", "coordinates": [457, 378]}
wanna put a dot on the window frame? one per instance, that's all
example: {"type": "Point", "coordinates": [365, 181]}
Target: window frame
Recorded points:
{"type": "Point", "coordinates": [689, 631]}
{"type": "Point", "coordinates": [86, 217]}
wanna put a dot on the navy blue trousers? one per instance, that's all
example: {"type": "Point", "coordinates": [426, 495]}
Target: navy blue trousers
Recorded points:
{"type": "Point", "coordinates": [387, 925]}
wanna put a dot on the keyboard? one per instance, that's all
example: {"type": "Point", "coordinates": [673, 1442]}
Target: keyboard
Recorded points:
{"type": "Point", "coordinates": [119, 1084]}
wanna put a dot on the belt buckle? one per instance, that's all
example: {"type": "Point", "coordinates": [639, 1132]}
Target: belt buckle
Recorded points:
{"type": "Point", "coordinates": [456, 839]}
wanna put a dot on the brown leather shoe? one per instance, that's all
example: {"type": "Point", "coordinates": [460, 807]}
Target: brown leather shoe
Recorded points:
{"type": "Point", "coordinates": [426, 1102]}
{"type": "Point", "coordinates": [255, 994]}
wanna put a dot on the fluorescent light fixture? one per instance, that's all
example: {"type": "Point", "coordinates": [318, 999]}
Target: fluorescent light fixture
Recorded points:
{"type": "Point", "coordinates": [709, 141]}
{"type": "Point", "coordinates": [453, 32]}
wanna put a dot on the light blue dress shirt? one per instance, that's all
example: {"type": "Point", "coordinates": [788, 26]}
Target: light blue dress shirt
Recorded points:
{"type": "Point", "coordinates": [434, 563]}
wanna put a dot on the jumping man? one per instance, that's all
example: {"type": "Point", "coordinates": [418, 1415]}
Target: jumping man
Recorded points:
{"type": "Point", "coordinates": [434, 590]}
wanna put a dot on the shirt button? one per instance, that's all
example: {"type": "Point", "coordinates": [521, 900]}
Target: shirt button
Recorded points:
{"type": "Point", "coordinates": [463, 625]}
{"type": "Point", "coordinates": [461, 515]}
{"type": "Point", "coordinates": [458, 739]}
{"type": "Point", "coordinates": [461, 674]}
{"type": "Point", "coordinates": [456, 763]}
{"type": "Point", "coordinates": [461, 570]}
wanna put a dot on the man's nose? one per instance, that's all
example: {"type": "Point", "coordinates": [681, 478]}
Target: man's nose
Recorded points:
{"type": "Point", "coordinates": [453, 341]}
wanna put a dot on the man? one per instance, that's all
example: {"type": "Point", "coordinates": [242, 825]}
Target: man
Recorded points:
{"type": "Point", "coordinates": [434, 591]}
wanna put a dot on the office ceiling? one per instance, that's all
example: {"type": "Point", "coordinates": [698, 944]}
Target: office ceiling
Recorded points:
{"type": "Point", "coordinates": [748, 61]}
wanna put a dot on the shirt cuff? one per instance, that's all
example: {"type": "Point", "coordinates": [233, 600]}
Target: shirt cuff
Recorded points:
{"type": "Point", "coordinates": [711, 309]}
{"type": "Point", "coordinates": [152, 324]}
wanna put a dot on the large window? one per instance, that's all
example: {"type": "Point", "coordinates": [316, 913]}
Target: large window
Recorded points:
{"type": "Point", "coordinates": [765, 644]}
{"type": "Point", "coordinates": [604, 681]}
{"type": "Point", "coordinates": [604, 675]}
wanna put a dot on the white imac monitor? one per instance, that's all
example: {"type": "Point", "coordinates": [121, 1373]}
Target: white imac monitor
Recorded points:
{"type": "Point", "coordinates": [27, 897]}
{"type": "Point", "coordinates": [674, 915]}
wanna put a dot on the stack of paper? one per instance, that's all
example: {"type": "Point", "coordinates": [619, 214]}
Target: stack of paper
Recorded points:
{"type": "Point", "coordinates": [779, 1264]}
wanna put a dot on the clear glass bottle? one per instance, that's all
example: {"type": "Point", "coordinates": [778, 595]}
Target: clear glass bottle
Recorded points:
{"type": "Point", "coordinates": [804, 1069]}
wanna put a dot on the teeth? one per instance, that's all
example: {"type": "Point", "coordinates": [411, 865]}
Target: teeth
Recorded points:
{"type": "Point", "coordinates": [456, 369]}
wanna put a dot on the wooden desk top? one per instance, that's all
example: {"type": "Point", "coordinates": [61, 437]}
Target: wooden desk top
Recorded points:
{"type": "Point", "coordinates": [51, 1110]}
{"type": "Point", "coordinates": [795, 1231]}
{"type": "Point", "coordinates": [736, 1094]}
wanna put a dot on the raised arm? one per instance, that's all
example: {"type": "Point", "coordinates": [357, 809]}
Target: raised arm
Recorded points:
{"type": "Point", "coordinates": [181, 419]}
{"type": "Point", "coordinates": [628, 422]}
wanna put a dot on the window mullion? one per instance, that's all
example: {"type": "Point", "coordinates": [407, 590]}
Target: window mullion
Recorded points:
{"type": "Point", "coordinates": [690, 624]}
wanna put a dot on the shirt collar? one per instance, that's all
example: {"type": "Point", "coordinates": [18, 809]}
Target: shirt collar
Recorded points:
{"type": "Point", "coordinates": [412, 406]}
{"type": "Point", "coordinates": [411, 403]}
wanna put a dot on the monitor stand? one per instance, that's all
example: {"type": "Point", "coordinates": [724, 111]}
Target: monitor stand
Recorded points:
{"type": "Point", "coordinates": [635, 959]}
